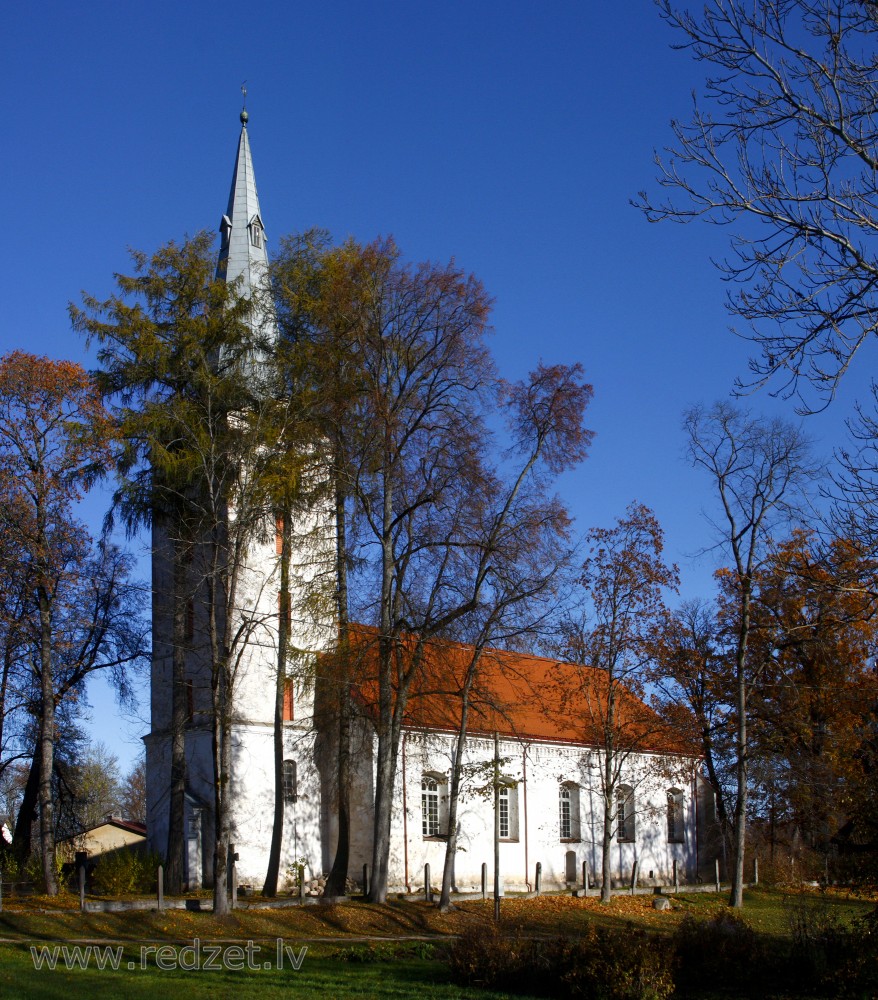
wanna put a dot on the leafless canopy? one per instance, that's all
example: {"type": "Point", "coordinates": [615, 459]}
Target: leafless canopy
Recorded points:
{"type": "Point", "coordinates": [782, 146]}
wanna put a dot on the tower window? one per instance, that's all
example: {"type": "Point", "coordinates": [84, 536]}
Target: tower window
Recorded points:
{"type": "Point", "coordinates": [256, 234]}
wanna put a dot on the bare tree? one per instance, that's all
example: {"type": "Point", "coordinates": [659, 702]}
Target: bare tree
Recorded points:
{"type": "Point", "coordinates": [760, 469]}
{"type": "Point", "coordinates": [612, 641]}
{"type": "Point", "coordinates": [782, 146]}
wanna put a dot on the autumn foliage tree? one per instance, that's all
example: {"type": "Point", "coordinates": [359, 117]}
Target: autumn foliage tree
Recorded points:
{"type": "Point", "coordinates": [816, 635]}
{"type": "Point", "coordinates": [76, 612]}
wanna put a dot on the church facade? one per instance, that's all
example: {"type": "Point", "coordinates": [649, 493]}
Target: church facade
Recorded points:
{"type": "Point", "coordinates": [550, 803]}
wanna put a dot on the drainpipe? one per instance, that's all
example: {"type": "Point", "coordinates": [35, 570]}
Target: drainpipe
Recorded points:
{"type": "Point", "coordinates": [524, 797]}
{"type": "Point", "coordinates": [405, 819]}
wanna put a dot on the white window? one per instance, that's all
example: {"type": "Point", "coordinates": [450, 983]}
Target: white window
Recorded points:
{"type": "Point", "coordinates": [256, 234]}
{"type": "Point", "coordinates": [676, 831]}
{"type": "Point", "coordinates": [625, 813]}
{"type": "Point", "coordinates": [568, 810]}
{"type": "Point", "coordinates": [430, 806]}
{"type": "Point", "coordinates": [290, 781]}
{"type": "Point", "coordinates": [508, 809]}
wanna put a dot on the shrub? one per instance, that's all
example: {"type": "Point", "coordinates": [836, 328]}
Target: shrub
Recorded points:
{"type": "Point", "coordinates": [836, 956]}
{"type": "Point", "coordinates": [603, 964]}
{"type": "Point", "coordinates": [123, 872]}
{"type": "Point", "coordinates": [722, 949]}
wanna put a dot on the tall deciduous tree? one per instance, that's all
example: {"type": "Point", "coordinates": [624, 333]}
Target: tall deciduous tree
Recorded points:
{"type": "Point", "coordinates": [202, 414]}
{"type": "Point", "coordinates": [78, 614]}
{"type": "Point", "coordinates": [814, 614]}
{"type": "Point", "coordinates": [760, 470]}
{"type": "Point", "coordinates": [781, 146]}
{"type": "Point", "coordinates": [690, 678]}
{"type": "Point", "coordinates": [623, 581]}
{"type": "Point", "coordinates": [518, 544]}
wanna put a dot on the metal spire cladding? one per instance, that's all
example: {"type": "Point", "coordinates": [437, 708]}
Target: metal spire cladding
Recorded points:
{"type": "Point", "coordinates": [243, 257]}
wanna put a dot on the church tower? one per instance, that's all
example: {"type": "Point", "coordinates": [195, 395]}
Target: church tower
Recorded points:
{"type": "Point", "coordinates": [243, 260]}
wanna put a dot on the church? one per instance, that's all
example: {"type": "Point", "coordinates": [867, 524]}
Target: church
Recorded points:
{"type": "Point", "coordinates": [550, 803]}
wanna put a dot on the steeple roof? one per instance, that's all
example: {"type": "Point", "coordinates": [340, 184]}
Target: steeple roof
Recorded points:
{"type": "Point", "coordinates": [243, 254]}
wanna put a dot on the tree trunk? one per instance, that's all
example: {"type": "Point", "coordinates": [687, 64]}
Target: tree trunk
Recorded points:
{"type": "Point", "coordinates": [736, 898]}
{"type": "Point", "coordinates": [607, 838]}
{"type": "Point", "coordinates": [336, 884]}
{"type": "Point", "coordinates": [454, 792]}
{"type": "Point", "coordinates": [22, 839]}
{"type": "Point", "coordinates": [283, 629]}
{"type": "Point", "coordinates": [46, 745]}
{"type": "Point", "coordinates": [222, 765]}
{"type": "Point", "coordinates": [179, 715]}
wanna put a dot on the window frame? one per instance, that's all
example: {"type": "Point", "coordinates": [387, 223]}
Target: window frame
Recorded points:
{"type": "Point", "coordinates": [676, 828]}
{"type": "Point", "coordinates": [626, 815]}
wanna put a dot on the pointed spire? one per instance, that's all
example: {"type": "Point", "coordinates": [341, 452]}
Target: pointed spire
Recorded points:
{"type": "Point", "coordinates": [243, 254]}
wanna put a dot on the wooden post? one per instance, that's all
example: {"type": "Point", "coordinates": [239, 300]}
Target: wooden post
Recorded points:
{"type": "Point", "coordinates": [365, 880]}
{"type": "Point", "coordinates": [428, 892]}
{"type": "Point", "coordinates": [756, 871]}
{"type": "Point", "coordinates": [233, 877]}
{"type": "Point", "coordinates": [633, 877]}
{"type": "Point", "coordinates": [484, 880]}
{"type": "Point", "coordinates": [161, 887]}
{"type": "Point", "coordinates": [538, 878]}
{"type": "Point", "coordinates": [585, 877]}
{"type": "Point", "coordinates": [716, 867]}
{"type": "Point", "coordinates": [82, 888]}
{"type": "Point", "coordinates": [301, 869]}
{"type": "Point", "coordinates": [676, 877]}
{"type": "Point", "coordinates": [1, 890]}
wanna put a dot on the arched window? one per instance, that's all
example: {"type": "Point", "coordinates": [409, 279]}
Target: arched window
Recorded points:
{"type": "Point", "coordinates": [432, 786]}
{"type": "Point", "coordinates": [676, 830]}
{"type": "Point", "coordinates": [625, 813]}
{"type": "Point", "coordinates": [291, 790]}
{"type": "Point", "coordinates": [568, 811]}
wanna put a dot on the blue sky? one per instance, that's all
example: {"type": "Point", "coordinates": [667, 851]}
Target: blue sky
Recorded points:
{"type": "Point", "coordinates": [509, 135]}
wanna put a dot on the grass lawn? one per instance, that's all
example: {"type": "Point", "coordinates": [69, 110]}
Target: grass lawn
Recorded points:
{"type": "Point", "coordinates": [355, 949]}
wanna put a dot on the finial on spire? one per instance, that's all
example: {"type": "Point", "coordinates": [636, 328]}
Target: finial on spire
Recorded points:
{"type": "Point", "coordinates": [244, 115]}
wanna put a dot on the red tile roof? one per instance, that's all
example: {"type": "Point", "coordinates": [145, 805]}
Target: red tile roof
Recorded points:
{"type": "Point", "coordinates": [515, 694]}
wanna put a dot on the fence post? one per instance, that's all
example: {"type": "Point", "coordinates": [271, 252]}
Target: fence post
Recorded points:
{"type": "Point", "coordinates": [365, 880]}
{"type": "Point", "coordinates": [82, 888]}
{"type": "Point", "coordinates": [428, 891]}
{"type": "Point", "coordinates": [538, 878]}
{"type": "Point", "coordinates": [161, 887]}
{"type": "Point", "coordinates": [676, 877]}
{"type": "Point", "coordinates": [232, 877]}
{"type": "Point", "coordinates": [756, 871]}
{"type": "Point", "coordinates": [484, 880]}
{"type": "Point", "coordinates": [716, 867]}
{"type": "Point", "coordinates": [301, 870]}
{"type": "Point", "coordinates": [1, 890]}
{"type": "Point", "coordinates": [633, 877]}
{"type": "Point", "coordinates": [585, 876]}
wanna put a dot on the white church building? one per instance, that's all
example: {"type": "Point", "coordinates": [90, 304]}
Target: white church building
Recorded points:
{"type": "Point", "coordinates": [551, 806]}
